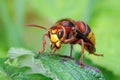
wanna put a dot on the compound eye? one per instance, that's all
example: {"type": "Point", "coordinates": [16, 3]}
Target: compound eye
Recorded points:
{"type": "Point", "coordinates": [60, 34]}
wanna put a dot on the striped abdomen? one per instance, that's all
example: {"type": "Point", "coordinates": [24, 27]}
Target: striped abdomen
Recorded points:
{"type": "Point", "coordinates": [85, 32]}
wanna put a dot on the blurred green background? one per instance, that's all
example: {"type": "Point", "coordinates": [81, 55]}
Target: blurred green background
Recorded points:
{"type": "Point", "coordinates": [102, 15]}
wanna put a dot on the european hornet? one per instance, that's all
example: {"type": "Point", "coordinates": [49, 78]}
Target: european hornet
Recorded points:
{"type": "Point", "coordinates": [67, 31]}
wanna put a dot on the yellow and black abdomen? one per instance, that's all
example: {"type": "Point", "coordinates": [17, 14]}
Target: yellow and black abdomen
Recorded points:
{"type": "Point", "coordinates": [91, 37]}
{"type": "Point", "coordinates": [84, 32]}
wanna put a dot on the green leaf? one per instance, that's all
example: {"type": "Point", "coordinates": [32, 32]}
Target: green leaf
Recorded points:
{"type": "Point", "coordinates": [56, 67]}
{"type": "Point", "coordinates": [3, 76]}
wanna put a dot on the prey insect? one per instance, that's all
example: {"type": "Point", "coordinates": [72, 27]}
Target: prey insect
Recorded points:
{"type": "Point", "coordinates": [67, 31]}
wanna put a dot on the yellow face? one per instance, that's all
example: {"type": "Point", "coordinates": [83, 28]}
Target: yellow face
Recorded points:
{"type": "Point", "coordinates": [55, 41]}
{"type": "Point", "coordinates": [54, 38]}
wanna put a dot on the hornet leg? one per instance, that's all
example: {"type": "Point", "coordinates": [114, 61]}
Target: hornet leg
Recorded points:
{"type": "Point", "coordinates": [98, 54]}
{"type": "Point", "coordinates": [43, 43]}
{"type": "Point", "coordinates": [71, 47]}
{"type": "Point", "coordinates": [81, 42]}
{"type": "Point", "coordinates": [53, 51]}
{"type": "Point", "coordinates": [82, 51]}
{"type": "Point", "coordinates": [88, 44]}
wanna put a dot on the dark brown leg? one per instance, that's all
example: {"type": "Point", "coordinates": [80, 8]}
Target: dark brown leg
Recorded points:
{"type": "Point", "coordinates": [53, 51]}
{"type": "Point", "coordinates": [82, 51]}
{"type": "Point", "coordinates": [43, 43]}
{"type": "Point", "coordinates": [98, 54]}
{"type": "Point", "coordinates": [72, 38]}
{"type": "Point", "coordinates": [69, 40]}
{"type": "Point", "coordinates": [88, 44]}
{"type": "Point", "coordinates": [81, 42]}
{"type": "Point", "coordinates": [71, 47]}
